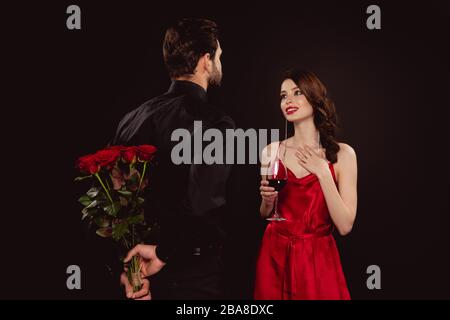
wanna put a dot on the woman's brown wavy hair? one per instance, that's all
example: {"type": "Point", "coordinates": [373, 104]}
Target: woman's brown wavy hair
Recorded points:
{"type": "Point", "coordinates": [325, 117]}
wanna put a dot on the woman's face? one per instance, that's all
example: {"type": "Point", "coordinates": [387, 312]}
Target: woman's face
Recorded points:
{"type": "Point", "coordinates": [294, 104]}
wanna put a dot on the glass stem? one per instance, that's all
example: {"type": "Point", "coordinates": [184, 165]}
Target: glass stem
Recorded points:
{"type": "Point", "coordinates": [276, 207]}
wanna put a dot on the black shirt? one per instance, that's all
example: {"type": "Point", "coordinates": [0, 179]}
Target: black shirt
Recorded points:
{"type": "Point", "coordinates": [187, 200]}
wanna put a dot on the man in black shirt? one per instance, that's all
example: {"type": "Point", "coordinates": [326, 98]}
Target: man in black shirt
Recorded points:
{"type": "Point", "coordinates": [187, 200]}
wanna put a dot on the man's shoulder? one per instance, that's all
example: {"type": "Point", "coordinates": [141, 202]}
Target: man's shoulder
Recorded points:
{"type": "Point", "coordinates": [177, 109]}
{"type": "Point", "coordinates": [155, 103]}
{"type": "Point", "coordinates": [153, 106]}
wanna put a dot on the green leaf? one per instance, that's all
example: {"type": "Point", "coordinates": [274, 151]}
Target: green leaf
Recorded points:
{"type": "Point", "coordinates": [93, 192]}
{"type": "Point", "coordinates": [77, 179]}
{"type": "Point", "coordinates": [119, 230]}
{"type": "Point", "coordinates": [93, 204]}
{"type": "Point", "coordinates": [104, 232]}
{"type": "Point", "coordinates": [85, 214]}
{"type": "Point", "coordinates": [85, 200]}
{"type": "Point", "coordinates": [102, 198]}
{"type": "Point", "coordinates": [102, 222]}
{"type": "Point", "coordinates": [125, 193]}
{"type": "Point", "coordinates": [88, 212]}
{"type": "Point", "coordinates": [113, 209]}
{"type": "Point", "coordinates": [135, 219]}
{"type": "Point", "coordinates": [133, 180]}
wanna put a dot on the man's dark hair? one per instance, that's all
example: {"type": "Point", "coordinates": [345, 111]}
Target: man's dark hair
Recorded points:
{"type": "Point", "coordinates": [185, 42]}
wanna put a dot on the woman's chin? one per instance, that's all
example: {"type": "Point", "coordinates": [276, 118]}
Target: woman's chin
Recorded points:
{"type": "Point", "coordinates": [293, 119]}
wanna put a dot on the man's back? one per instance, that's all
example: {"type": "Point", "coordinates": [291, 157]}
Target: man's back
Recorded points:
{"type": "Point", "coordinates": [187, 200]}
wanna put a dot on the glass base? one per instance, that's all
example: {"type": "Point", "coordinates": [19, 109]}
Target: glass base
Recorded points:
{"type": "Point", "coordinates": [276, 219]}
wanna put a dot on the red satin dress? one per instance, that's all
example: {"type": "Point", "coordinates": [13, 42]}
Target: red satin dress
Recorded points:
{"type": "Point", "coordinates": [298, 258]}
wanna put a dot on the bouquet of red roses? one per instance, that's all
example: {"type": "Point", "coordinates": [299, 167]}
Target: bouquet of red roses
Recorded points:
{"type": "Point", "coordinates": [114, 205]}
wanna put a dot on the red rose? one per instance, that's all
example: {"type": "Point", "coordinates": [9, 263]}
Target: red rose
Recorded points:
{"type": "Point", "coordinates": [129, 154]}
{"type": "Point", "coordinates": [88, 164]}
{"type": "Point", "coordinates": [106, 158]}
{"type": "Point", "coordinates": [119, 148]}
{"type": "Point", "coordinates": [146, 152]}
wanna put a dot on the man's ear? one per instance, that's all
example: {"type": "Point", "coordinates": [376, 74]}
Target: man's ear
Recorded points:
{"type": "Point", "coordinates": [207, 62]}
{"type": "Point", "coordinates": [204, 64]}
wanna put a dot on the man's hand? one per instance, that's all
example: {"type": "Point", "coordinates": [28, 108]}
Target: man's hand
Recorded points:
{"type": "Point", "coordinates": [143, 294]}
{"type": "Point", "coordinates": [149, 262]}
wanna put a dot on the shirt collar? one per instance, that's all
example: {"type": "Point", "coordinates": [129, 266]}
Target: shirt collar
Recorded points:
{"type": "Point", "coordinates": [189, 88]}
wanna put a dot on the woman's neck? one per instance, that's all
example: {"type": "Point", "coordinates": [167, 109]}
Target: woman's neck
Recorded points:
{"type": "Point", "coordinates": [306, 133]}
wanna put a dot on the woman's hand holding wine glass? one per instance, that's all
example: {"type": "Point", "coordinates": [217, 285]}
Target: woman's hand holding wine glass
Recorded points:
{"type": "Point", "coordinates": [268, 193]}
{"type": "Point", "coordinates": [276, 179]}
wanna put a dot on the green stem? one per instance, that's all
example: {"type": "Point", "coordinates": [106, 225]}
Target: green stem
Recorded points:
{"type": "Point", "coordinates": [142, 178]}
{"type": "Point", "coordinates": [135, 264]}
{"type": "Point", "coordinates": [126, 243]}
{"type": "Point", "coordinates": [133, 271]}
{"type": "Point", "coordinates": [104, 188]}
{"type": "Point", "coordinates": [107, 183]}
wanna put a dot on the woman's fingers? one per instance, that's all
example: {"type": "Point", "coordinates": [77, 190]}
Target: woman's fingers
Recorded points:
{"type": "Point", "coordinates": [300, 154]}
{"type": "Point", "coordinates": [308, 150]}
{"type": "Point", "coordinates": [269, 196]}
{"type": "Point", "coordinates": [301, 158]}
{"type": "Point", "coordinates": [303, 151]}
{"type": "Point", "coordinates": [269, 193]}
{"type": "Point", "coordinates": [264, 186]}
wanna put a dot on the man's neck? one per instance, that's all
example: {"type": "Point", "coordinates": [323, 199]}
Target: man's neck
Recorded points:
{"type": "Point", "coordinates": [195, 79]}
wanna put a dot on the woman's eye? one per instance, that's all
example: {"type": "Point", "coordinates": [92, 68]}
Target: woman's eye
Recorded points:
{"type": "Point", "coordinates": [283, 96]}
{"type": "Point", "coordinates": [298, 93]}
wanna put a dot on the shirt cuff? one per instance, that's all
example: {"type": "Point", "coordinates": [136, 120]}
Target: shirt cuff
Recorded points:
{"type": "Point", "coordinates": [162, 252]}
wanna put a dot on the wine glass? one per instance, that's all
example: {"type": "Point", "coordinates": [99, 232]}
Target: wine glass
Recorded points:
{"type": "Point", "coordinates": [277, 176]}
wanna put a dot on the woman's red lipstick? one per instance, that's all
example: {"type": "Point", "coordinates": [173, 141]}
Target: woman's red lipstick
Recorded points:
{"type": "Point", "coordinates": [291, 109]}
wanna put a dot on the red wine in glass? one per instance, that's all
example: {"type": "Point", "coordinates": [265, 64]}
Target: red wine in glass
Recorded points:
{"type": "Point", "coordinates": [277, 177]}
{"type": "Point", "coordinates": [277, 184]}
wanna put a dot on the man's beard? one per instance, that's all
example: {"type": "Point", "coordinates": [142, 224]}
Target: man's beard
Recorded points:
{"type": "Point", "coordinates": [216, 77]}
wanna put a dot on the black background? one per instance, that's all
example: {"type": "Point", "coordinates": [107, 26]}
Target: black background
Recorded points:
{"type": "Point", "coordinates": [65, 92]}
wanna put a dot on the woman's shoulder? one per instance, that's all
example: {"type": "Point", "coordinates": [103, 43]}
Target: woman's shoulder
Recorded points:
{"type": "Point", "coordinates": [346, 158]}
{"type": "Point", "coordinates": [345, 150]}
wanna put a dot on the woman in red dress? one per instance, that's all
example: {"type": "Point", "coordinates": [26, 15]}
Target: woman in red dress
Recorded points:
{"type": "Point", "coordinates": [298, 258]}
